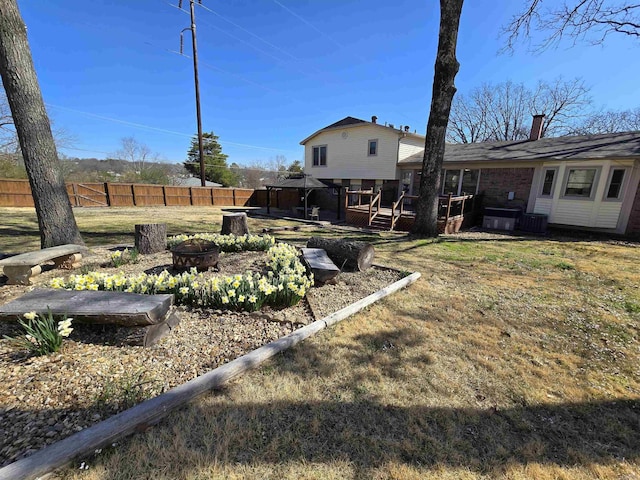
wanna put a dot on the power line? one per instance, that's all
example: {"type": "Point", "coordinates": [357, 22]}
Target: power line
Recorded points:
{"type": "Point", "coordinates": [264, 52]}
{"type": "Point", "coordinates": [149, 127]}
{"type": "Point", "coordinates": [304, 72]}
{"type": "Point", "coordinates": [309, 24]}
{"type": "Point", "coordinates": [258, 37]}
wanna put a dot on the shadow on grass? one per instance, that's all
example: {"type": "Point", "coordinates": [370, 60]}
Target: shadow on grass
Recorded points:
{"type": "Point", "coordinates": [366, 431]}
{"type": "Point", "coordinates": [369, 435]}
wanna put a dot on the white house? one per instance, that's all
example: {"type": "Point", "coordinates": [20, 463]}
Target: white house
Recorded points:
{"type": "Point", "coordinates": [589, 181]}
{"type": "Point", "coordinates": [361, 155]}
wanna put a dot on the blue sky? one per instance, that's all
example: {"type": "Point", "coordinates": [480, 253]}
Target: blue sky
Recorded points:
{"type": "Point", "coordinates": [274, 71]}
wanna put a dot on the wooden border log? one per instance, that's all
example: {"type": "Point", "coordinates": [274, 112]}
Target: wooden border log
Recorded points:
{"type": "Point", "coordinates": [347, 254]}
{"type": "Point", "coordinates": [152, 411]}
{"type": "Point", "coordinates": [151, 238]}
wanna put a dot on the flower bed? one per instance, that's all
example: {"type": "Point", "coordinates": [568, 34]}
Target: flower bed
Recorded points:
{"type": "Point", "coordinates": [228, 243]}
{"type": "Point", "coordinates": [96, 374]}
{"type": "Point", "coordinates": [285, 283]}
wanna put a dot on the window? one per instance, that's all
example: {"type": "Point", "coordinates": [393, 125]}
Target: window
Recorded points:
{"type": "Point", "coordinates": [469, 182]}
{"type": "Point", "coordinates": [548, 181]}
{"type": "Point", "coordinates": [450, 182]}
{"type": "Point", "coordinates": [580, 182]}
{"type": "Point", "coordinates": [320, 156]}
{"type": "Point", "coordinates": [615, 184]}
{"type": "Point", "coordinates": [457, 182]}
{"type": "Point", "coordinates": [373, 148]}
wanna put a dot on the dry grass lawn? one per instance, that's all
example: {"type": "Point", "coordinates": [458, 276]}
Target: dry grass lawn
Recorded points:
{"type": "Point", "coordinates": [512, 357]}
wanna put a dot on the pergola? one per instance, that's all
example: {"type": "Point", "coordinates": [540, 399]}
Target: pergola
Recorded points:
{"type": "Point", "coordinates": [304, 183]}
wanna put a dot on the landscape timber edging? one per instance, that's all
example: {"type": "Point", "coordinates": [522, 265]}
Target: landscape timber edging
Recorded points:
{"type": "Point", "coordinates": [149, 412]}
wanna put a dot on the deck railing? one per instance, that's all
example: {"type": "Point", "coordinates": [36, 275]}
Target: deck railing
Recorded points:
{"type": "Point", "coordinates": [373, 202]}
{"type": "Point", "coordinates": [400, 211]}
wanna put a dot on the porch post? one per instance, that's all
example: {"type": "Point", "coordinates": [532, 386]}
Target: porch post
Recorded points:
{"type": "Point", "coordinates": [268, 199]}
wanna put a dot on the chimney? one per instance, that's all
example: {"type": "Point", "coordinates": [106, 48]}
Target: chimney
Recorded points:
{"type": "Point", "coordinates": [536, 127]}
{"type": "Point", "coordinates": [374, 119]}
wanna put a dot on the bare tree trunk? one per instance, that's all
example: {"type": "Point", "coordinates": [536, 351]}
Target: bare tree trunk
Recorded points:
{"type": "Point", "coordinates": [446, 68]}
{"type": "Point", "coordinates": [55, 217]}
{"type": "Point", "coordinates": [151, 238]}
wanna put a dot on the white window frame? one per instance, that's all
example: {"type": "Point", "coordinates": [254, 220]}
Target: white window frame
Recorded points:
{"type": "Point", "coordinates": [313, 165]}
{"type": "Point", "coordinates": [594, 185]}
{"type": "Point", "coordinates": [369, 154]}
{"type": "Point", "coordinates": [555, 170]}
{"type": "Point", "coordinates": [622, 185]}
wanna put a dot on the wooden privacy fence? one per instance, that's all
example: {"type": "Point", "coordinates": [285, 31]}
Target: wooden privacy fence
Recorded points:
{"type": "Point", "coordinates": [17, 193]}
{"type": "Point", "coordinates": [280, 198]}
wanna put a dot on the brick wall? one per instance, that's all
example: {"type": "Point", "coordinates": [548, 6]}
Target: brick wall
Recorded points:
{"type": "Point", "coordinates": [496, 183]}
{"type": "Point", "coordinates": [633, 227]}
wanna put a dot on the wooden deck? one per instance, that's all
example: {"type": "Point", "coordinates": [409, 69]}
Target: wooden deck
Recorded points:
{"type": "Point", "coordinates": [370, 213]}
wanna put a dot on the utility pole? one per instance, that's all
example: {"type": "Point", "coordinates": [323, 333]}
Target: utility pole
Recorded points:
{"type": "Point", "coordinates": [197, 82]}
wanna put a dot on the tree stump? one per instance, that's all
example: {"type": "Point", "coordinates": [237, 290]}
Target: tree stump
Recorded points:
{"type": "Point", "coordinates": [151, 237]}
{"type": "Point", "coordinates": [346, 254]}
{"type": "Point", "coordinates": [235, 223]}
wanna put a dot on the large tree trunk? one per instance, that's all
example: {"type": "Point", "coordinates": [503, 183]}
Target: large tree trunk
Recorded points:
{"type": "Point", "coordinates": [55, 217]}
{"type": "Point", "coordinates": [151, 238]}
{"type": "Point", "coordinates": [446, 68]}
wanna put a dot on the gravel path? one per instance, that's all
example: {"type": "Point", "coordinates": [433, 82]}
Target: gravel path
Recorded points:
{"type": "Point", "coordinates": [44, 399]}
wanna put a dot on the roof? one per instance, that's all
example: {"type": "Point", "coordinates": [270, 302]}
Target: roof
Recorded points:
{"type": "Point", "coordinates": [582, 147]}
{"type": "Point", "coordinates": [195, 182]}
{"type": "Point", "coordinates": [349, 122]}
{"type": "Point", "coordinates": [300, 182]}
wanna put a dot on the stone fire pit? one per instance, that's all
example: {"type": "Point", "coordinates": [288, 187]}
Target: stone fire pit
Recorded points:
{"type": "Point", "coordinates": [195, 252]}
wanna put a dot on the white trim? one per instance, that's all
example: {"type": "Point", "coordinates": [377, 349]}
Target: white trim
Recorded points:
{"type": "Point", "coordinates": [326, 156]}
{"type": "Point", "coordinates": [554, 182]}
{"type": "Point", "coordinates": [594, 183]}
{"type": "Point", "coordinates": [369, 154]}
{"type": "Point", "coordinates": [623, 185]}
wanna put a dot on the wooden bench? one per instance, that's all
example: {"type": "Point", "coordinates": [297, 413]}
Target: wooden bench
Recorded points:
{"type": "Point", "coordinates": [20, 268]}
{"type": "Point", "coordinates": [148, 316]}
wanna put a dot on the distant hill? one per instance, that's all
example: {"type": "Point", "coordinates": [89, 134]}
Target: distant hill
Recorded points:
{"type": "Point", "coordinates": [114, 170]}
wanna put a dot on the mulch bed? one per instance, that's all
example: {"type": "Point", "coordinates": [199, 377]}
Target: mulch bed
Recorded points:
{"type": "Point", "coordinates": [44, 399]}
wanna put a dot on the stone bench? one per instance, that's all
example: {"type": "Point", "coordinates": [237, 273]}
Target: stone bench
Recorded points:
{"type": "Point", "coordinates": [148, 317]}
{"type": "Point", "coordinates": [323, 269]}
{"type": "Point", "coordinates": [20, 268]}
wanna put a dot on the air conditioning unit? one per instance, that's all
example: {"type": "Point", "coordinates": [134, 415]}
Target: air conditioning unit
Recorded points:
{"type": "Point", "coordinates": [534, 223]}
{"type": "Point", "coordinates": [500, 218]}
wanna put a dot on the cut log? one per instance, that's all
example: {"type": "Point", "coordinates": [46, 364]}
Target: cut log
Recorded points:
{"type": "Point", "coordinates": [151, 238]}
{"type": "Point", "coordinates": [99, 307]}
{"type": "Point", "coordinates": [346, 254]}
{"type": "Point", "coordinates": [235, 223]}
{"type": "Point", "coordinates": [323, 269]}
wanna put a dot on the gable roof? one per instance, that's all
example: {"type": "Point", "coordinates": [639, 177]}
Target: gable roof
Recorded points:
{"type": "Point", "coordinates": [350, 122]}
{"type": "Point", "coordinates": [581, 147]}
